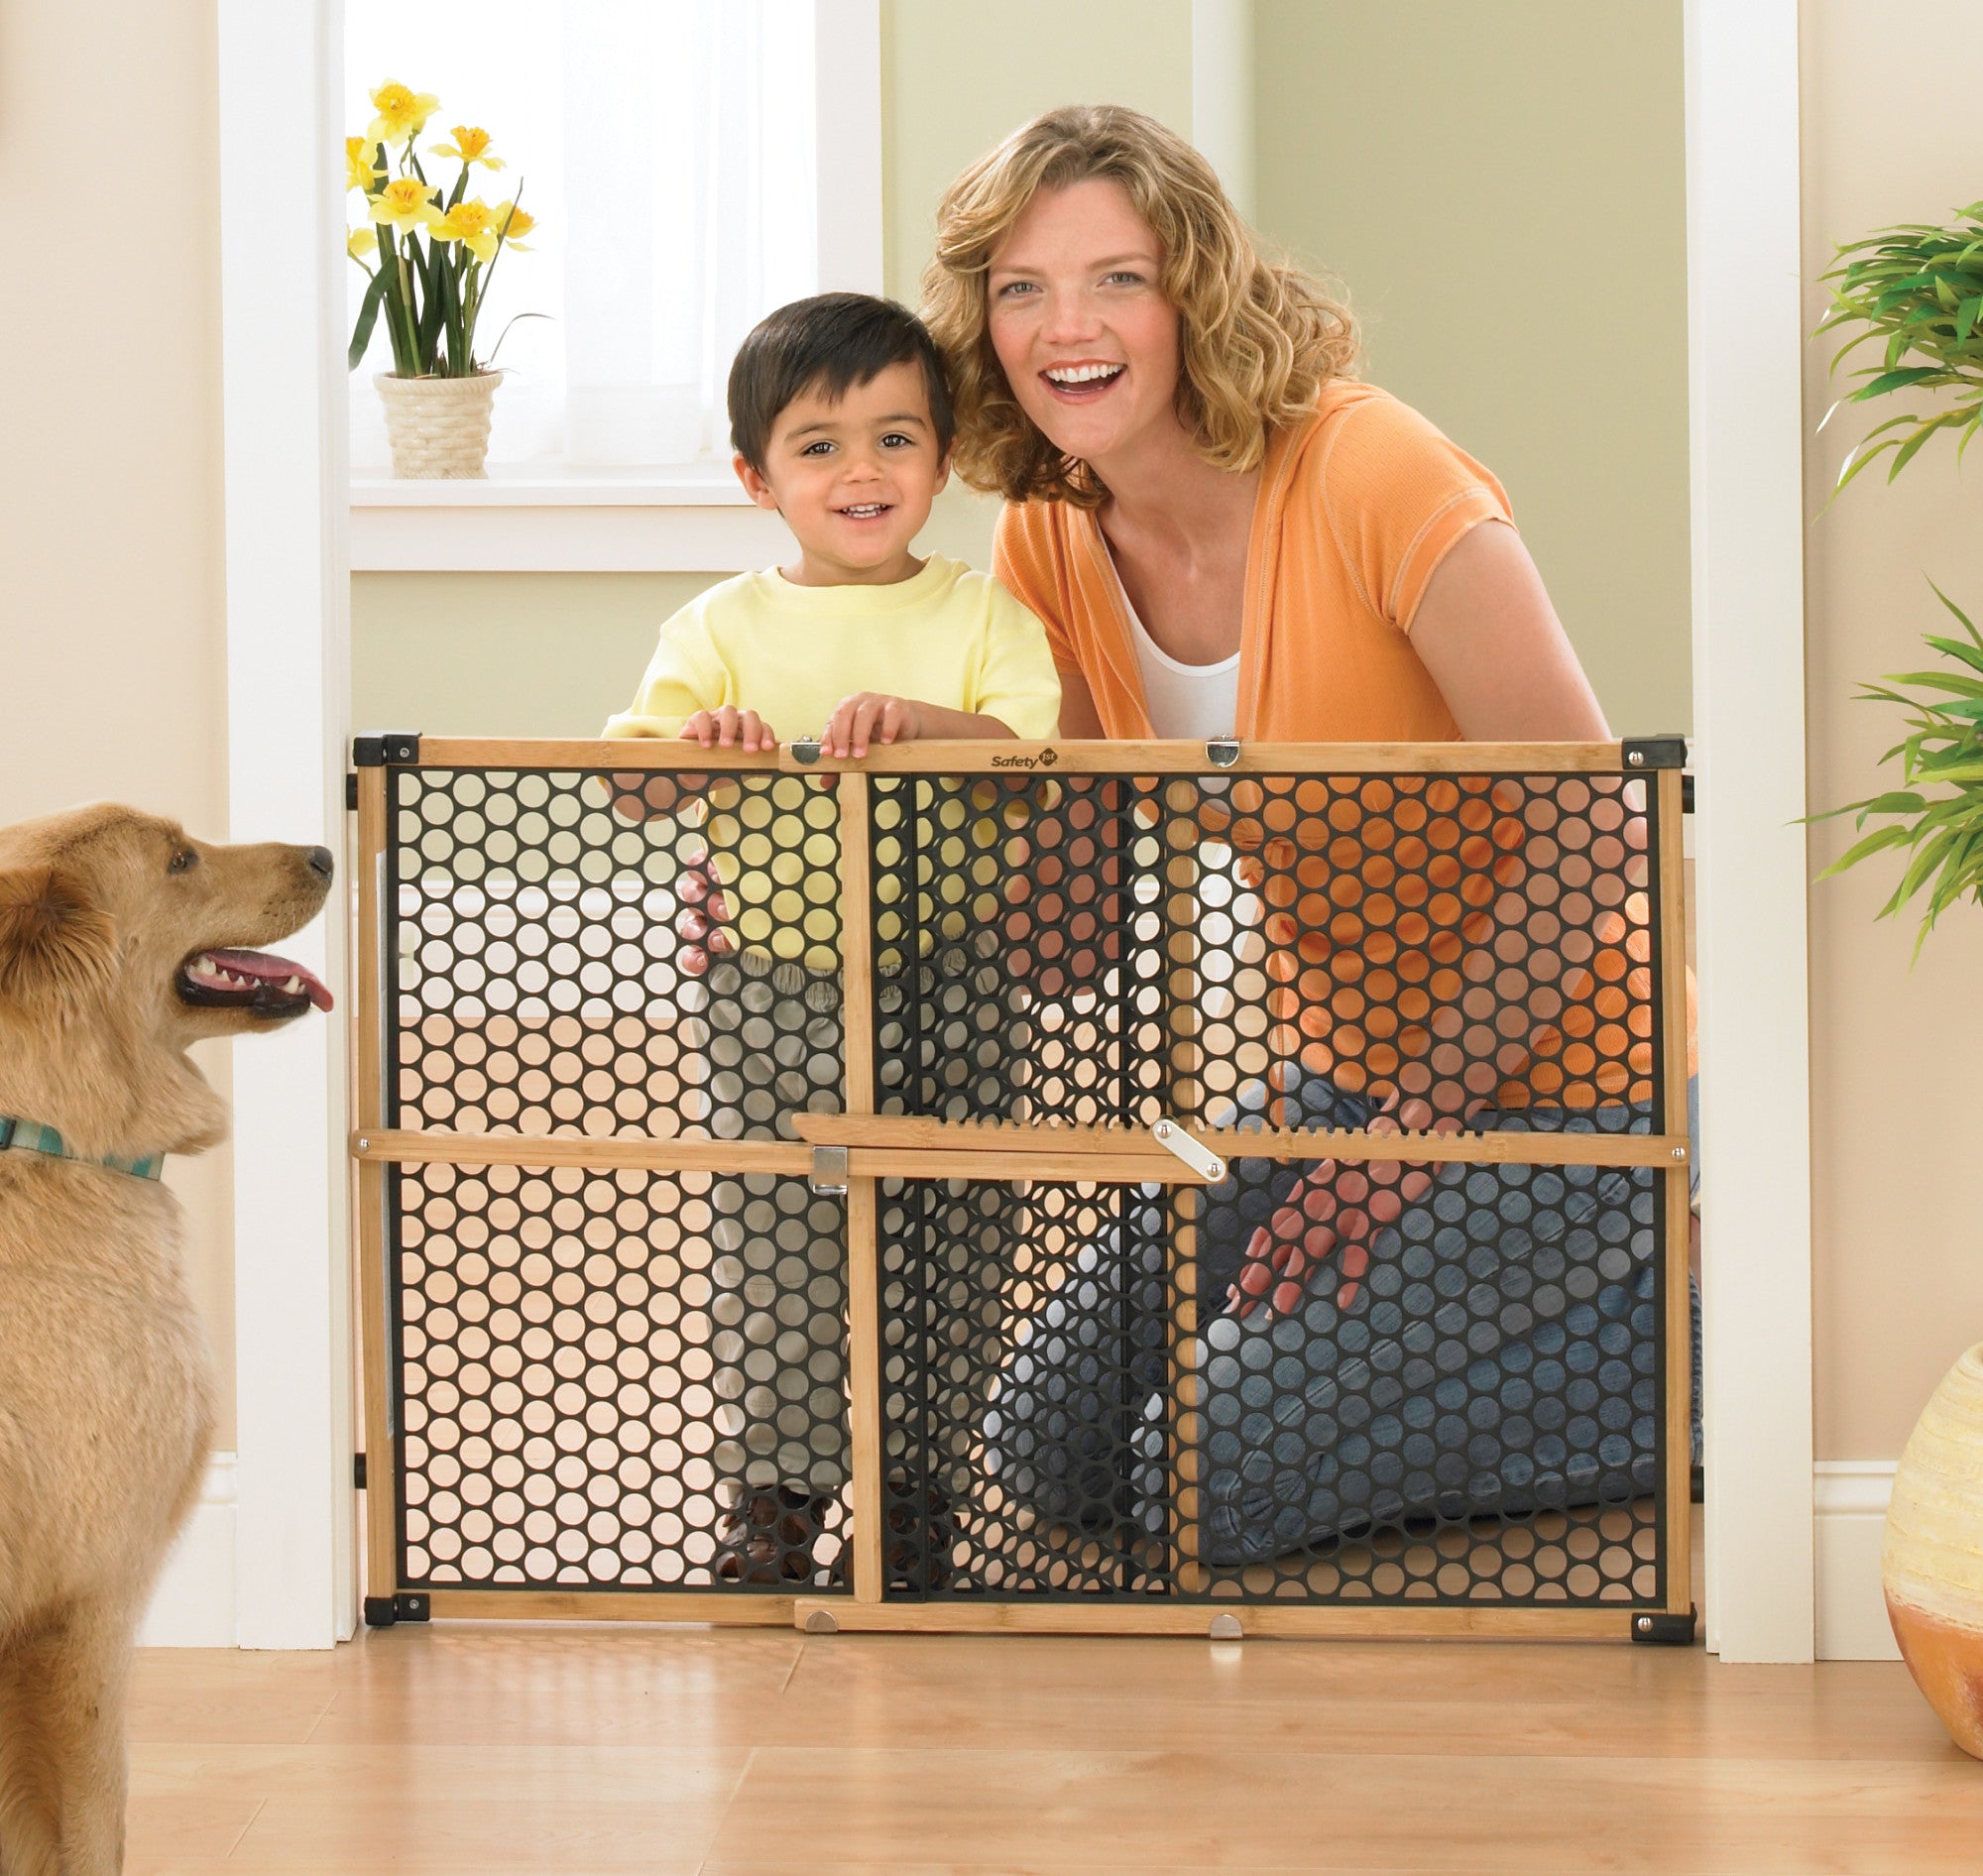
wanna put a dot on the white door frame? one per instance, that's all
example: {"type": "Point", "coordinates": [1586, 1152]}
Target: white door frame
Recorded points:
{"type": "Point", "coordinates": [288, 594]}
{"type": "Point", "coordinates": [1745, 354]}
{"type": "Point", "coordinates": [289, 658]}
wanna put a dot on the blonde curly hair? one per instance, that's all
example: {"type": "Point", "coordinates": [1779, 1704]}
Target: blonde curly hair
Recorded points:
{"type": "Point", "coordinates": [1258, 338]}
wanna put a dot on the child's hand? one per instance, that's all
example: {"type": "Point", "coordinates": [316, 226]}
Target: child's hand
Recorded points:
{"type": "Point", "coordinates": [700, 922]}
{"type": "Point", "coordinates": [870, 715]}
{"type": "Point", "coordinates": [720, 729]}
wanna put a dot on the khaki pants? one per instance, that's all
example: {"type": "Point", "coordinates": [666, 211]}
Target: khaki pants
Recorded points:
{"type": "Point", "coordinates": [769, 1033]}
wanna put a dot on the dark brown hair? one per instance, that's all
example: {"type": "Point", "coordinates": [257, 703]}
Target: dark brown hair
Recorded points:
{"type": "Point", "coordinates": [827, 344]}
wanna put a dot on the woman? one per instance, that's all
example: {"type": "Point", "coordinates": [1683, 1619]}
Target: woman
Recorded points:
{"type": "Point", "coordinates": [1224, 531]}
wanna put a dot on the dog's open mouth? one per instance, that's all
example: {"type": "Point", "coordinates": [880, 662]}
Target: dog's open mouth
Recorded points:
{"type": "Point", "coordinates": [255, 980]}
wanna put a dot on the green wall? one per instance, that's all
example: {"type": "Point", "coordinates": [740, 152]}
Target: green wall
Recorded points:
{"type": "Point", "coordinates": [505, 653]}
{"type": "Point", "coordinates": [1500, 186]}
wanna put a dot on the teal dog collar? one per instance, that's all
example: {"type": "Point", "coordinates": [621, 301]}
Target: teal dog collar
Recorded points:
{"type": "Point", "coordinates": [29, 1137]}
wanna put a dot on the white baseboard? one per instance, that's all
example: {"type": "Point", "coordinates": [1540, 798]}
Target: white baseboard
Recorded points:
{"type": "Point", "coordinates": [192, 1605]}
{"type": "Point", "coordinates": [1849, 1502]}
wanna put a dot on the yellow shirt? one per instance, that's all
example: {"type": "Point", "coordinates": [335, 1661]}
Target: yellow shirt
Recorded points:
{"type": "Point", "coordinates": [946, 636]}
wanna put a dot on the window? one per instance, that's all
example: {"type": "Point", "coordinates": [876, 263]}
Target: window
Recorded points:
{"type": "Point", "coordinates": [670, 150]}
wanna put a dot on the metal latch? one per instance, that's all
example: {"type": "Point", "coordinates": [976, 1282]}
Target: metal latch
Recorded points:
{"type": "Point", "coordinates": [806, 750]}
{"type": "Point", "coordinates": [828, 1178]}
{"type": "Point", "coordinates": [1222, 752]}
{"type": "Point", "coordinates": [1176, 1142]}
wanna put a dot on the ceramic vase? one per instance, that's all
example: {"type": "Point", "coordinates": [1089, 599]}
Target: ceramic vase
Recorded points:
{"type": "Point", "coordinates": [1932, 1561]}
{"type": "Point", "coordinates": [438, 426]}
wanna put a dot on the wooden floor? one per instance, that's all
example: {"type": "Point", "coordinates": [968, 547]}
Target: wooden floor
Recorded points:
{"type": "Point", "coordinates": [462, 1748]}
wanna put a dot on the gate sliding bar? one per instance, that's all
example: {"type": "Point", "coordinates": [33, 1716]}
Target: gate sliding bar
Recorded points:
{"type": "Point", "coordinates": [901, 1134]}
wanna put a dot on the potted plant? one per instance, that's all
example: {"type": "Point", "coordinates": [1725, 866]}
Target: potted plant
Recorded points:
{"type": "Point", "coordinates": [1918, 290]}
{"type": "Point", "coordinates": [430, 265]}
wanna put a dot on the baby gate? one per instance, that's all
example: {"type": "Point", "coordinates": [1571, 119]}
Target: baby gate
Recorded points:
{"type": "Point", "coordinates": [1099, 1187]}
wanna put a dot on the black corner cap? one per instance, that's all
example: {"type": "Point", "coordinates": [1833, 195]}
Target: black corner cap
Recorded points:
{"type": "Point", "coordinates": [1655, 752]}
{"type": "Point", "coordinates": [1653, 1628]}
{"type": "Point", "coordinates": [385, 748]}
{"type": "Point", "coordinates": [384, 1611]}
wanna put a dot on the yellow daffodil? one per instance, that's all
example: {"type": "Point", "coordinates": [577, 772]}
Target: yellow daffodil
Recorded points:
{"type": "Point", "coordinates": [357, 171]}
{"type": "Point", "coordinates": [361, 242]}
{"type": "Point", "coordinates": [402, 113]}
{"type": "Point", "coordinates": [511, 223]}
{"type": "Point", "coordinates": [470, 146]}
{"type": "Point", "coordinates": [406, 203]}
{"type": "Point", "coordinates": [471, 222]}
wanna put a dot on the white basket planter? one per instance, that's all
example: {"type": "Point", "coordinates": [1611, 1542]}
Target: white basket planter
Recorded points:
{"type": "Point", "coordinates": [438, 426]}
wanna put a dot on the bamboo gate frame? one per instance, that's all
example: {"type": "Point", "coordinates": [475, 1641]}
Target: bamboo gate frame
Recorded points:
{"type": "Point", "coordinates": [878, 1146]}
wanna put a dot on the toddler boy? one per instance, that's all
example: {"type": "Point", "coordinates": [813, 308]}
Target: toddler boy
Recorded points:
{"type": "Point", "coordinates": [841, 420]}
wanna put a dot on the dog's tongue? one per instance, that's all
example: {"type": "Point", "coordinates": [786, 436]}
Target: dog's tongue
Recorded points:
{"type": "Point", "coordinates": [266, 967]}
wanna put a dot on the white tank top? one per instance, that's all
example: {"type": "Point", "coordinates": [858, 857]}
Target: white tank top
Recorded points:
{"type": "Point", "coordinates": [1187, 701]}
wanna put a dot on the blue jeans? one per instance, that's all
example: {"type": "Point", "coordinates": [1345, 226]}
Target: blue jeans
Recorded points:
{"type": "Point", "coordinates": [1500, 1356]}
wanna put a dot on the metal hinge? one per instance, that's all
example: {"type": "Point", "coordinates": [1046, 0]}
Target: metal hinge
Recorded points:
{"type": "Point", "coordinates": [385, 747]}
{"type": "Point", "coordinates": [358, 1472]}
{"type": "Point", "coordinates": [408, 1606]}
{"type": "Point", "coordinates": [1655, 752]}
{"type": "Point", "coordinates": [806, 750]}
{"type": "Point", "coordinates": [828, 1179]}
{"type": "Point", "coordinates": [351, 792]}
{"type": "Point", "coordinates": [1655, 1629]}
{"type": "Point", "coordinates": [1222, 752]}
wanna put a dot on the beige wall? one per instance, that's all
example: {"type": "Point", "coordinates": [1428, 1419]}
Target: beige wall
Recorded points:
{"type": "Point", "coordinates": [505, 653]}
{"type": "Point", "coordinates": [112, 647]}
{"type": "Point", "coordinates": [1889, 133]}
{"type": "Point", "coordinates": [1502, 191]}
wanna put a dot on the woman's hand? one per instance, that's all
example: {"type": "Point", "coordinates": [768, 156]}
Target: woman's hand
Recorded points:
{"type": "Point", "coordinates": [730, 727]}
{"type": "Point", "coordinates": [871, 716]}
{"type": "Point", "coordinates": [1331, 1208]}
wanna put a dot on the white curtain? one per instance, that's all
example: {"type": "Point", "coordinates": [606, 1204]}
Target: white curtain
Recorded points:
{"type": "Point", "coordinates": [667, 148]}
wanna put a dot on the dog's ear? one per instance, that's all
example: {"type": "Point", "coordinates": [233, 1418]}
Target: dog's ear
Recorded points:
{"type": "Point", "coordinates": [55, 940]}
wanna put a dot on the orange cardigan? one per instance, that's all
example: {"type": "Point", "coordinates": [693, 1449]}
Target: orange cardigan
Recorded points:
{"type": "Point", "coordinates": [1357, 506]}
{"type": "Point", "coordinates": [1356, 509]}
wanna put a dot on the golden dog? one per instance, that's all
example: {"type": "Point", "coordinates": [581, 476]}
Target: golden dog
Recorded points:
{"type": "Point", "coordinates": [116, 936]}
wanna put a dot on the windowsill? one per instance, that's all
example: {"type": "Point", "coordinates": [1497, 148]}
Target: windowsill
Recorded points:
{"type": "Point", "coordinates": [705, 484]}
{"type": "Point", "coordinates": [542, 517]}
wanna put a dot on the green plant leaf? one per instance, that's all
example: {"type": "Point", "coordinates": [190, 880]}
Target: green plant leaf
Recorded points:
{"type": "Point", "coordinates": [1920, 868]}
{"type": "Point", "coordinates": [368, 316]}
{"type": "Point", "coordinates": [1894, 381]}
{"type": "Point", "coordinates": [1864, 850]}
{"type": "Point", "coordinates": [505, 333]}
{"type": "Point", "coordinates": [1857, 460]}
{"type": "Point", "coordinates": [1907, 451]}
{"type": "Point", "coordinates": [434, 311]}
{"type": "Point", "coordinates": [1969, 653]}
{"type": "Point", "coordinates": [1962, 616]}
{"type": "Point", "coordinates": [1951, 681]}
